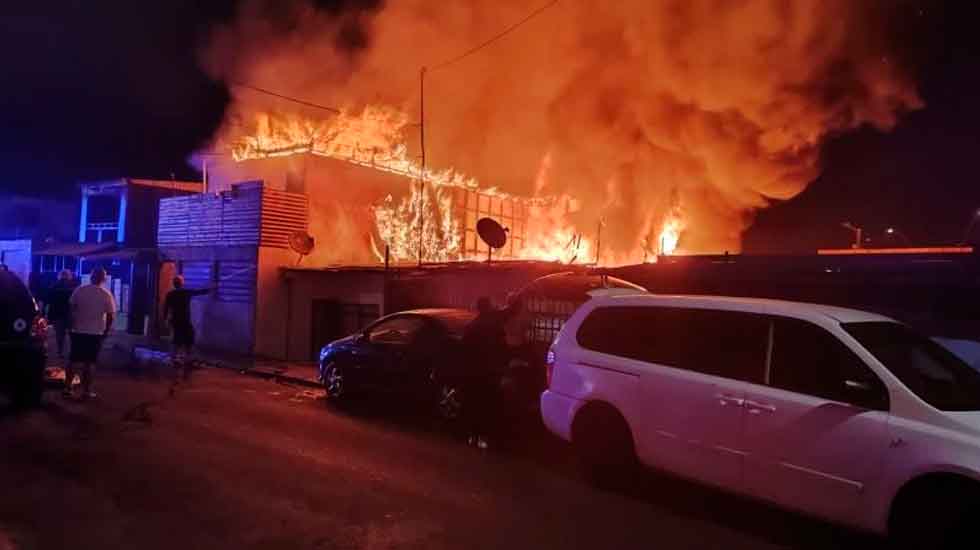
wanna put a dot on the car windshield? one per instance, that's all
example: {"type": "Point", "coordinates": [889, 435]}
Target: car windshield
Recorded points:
{"type": "Point", "coordinates": [931, 371]}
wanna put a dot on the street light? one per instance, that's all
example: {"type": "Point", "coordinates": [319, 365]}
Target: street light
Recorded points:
{"type": "Point", "coordinates": [969, 226]}
{"type": "Point", "coordinates": [897, 233]}
{"type": "Point", "coordinates": [857, 233]}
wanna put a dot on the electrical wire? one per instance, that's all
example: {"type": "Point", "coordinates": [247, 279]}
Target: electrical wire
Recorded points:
{"type": "Point", "coordinates": [494, 38]}
{"type": "Point", "coordinates": [286, 97]}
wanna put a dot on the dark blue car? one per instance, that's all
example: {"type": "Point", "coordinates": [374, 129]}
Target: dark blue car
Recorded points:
{"type": "Point", "coordinates": [22, 342]}
{"type": "Point", "coordinates": [411, 354]}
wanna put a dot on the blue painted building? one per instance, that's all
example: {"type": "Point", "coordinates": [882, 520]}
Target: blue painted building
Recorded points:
{"type": "Point", "coordinates": [117, 230]}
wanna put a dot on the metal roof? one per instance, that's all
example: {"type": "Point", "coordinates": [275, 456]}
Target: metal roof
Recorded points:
{"type": "Point", "coordinates": [75, 249]}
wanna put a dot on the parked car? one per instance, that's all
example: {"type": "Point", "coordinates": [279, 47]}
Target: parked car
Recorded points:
{"type": "Point", "coordinates": [841, 414]}
{"type": "Point", "coordinates": [413, 354]}
{"type": "Point", "coordinates": [547, 302]}
{"type": "Point", "coordinates": [22, 342]}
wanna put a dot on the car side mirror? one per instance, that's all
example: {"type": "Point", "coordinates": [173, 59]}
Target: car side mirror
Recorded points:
{"type": "Point", "coordinates": [857, 387]}
{"type": "Point", "coordinates": [865, 395]}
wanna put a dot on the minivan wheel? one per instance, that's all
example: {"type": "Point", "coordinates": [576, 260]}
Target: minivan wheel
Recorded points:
{"type": "Point", "coordinates": [935, 514]}
{"type": "Point", "coordinates": [603, 444]}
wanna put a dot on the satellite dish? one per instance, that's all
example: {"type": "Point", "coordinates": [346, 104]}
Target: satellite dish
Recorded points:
{"type": "Point", "coordinates": [302, 243]}
{"type": "Point", "coordinates": [492, 233]}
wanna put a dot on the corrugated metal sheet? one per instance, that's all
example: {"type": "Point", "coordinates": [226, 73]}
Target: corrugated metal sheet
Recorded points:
{"type": "Point", "coordinates": [197, 274]}
{"type": "Point", "coordinates": [236, 282]}
{"type": "Point", "coordinates": [249, 214]}
{"type": "Point", "coordinates": [282, 215]}
{"type": "Point", "coordinates": [231, 218]}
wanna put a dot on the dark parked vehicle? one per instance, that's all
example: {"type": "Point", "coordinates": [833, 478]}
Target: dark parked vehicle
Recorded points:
{"type": "Point", "coordinates": [22, 342]}
{"type": "Point", "coordinates": [547, 303]}
{"type": "Point", "coordinates": [414, 355]}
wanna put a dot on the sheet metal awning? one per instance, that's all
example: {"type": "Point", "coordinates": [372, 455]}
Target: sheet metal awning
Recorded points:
{"type": "Point", "coordinates": [119, 254]}
{"type": "Point", "coordinates": [75, 249]}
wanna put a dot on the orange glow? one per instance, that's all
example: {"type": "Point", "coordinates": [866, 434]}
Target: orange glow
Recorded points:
{"type": "Point", "coordinates": [374, 139]}
{"type": "Point", "coordinates": [670, 234]}
{"type": "Point", "coordinates": [711, 112]}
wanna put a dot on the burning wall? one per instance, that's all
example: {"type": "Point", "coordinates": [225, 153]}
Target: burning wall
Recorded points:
{"type": "Point", "coordinates": [658, 124]}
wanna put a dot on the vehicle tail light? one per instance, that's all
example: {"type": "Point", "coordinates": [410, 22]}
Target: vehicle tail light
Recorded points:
{"type": "Point", "coordinates": [549, 365]}
{"type": "Point", "coordinates": [39, 328]}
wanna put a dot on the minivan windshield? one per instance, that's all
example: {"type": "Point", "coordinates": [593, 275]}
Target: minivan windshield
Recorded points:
{"type": "Point", "coordinates": [932, 372]}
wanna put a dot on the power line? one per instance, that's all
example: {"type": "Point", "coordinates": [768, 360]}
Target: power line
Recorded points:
{"type": "Point", "coordinates": [496, 37]}
{"type": "Point", "coordinates": [286, 97]}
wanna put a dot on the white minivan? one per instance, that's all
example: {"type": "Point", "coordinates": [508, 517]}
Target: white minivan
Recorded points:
{"type": "Point", "coordinates": [841, 414]}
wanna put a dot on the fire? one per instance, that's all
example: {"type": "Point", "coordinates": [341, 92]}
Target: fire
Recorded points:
{"type": "Point", "coordinates": [670, 234]}
{"type": "Point", "coordinates": [720, 108]}
{"type": "Point", "coordinates": [426, 214]}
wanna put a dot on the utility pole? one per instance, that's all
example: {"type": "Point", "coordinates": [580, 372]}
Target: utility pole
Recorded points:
{"type": "Point", "coordinates": [598, 242]}
{"type": "Point", "coordinates": [858, 232]}
{"type": "Point", "coordinates": [969, 227]}
{"type": "Point", "coordinates": [422, 146]}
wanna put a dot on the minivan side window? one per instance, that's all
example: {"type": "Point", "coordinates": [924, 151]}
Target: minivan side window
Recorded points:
{"type": "Point", "coordinates": [810, 360]}
{"type": "Point", "coordinates": [729, 344]}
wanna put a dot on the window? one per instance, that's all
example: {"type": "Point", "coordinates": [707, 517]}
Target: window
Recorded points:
{"type": "Point", "coordinates": [809, 360]}
{"type": "Point", "coordinates": [398, 330]}
{"type": "Point", "coordinates": [729, 344]}
{"type": "Point", "coordinates": [929, 370]}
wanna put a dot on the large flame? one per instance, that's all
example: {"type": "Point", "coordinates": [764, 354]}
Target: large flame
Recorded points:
{"type": "Point", "coordinates": [426, 214]}
{"type": "Point", "coordinates": [632, 129]}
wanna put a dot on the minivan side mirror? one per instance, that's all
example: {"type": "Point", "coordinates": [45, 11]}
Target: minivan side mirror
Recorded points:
{"type": "Point", "coordinates": [865, 394]}
{"type": "Point", "coordinates": [857, 387]}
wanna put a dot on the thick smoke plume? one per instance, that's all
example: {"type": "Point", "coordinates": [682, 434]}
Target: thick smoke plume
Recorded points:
{"type": "Point", "coordinates": [695, 113]}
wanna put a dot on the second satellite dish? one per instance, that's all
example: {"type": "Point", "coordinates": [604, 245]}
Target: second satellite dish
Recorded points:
{"type": "Point", "coordinates": [492, 233]}
{"type": "Point", "coordinates": [302, 243]}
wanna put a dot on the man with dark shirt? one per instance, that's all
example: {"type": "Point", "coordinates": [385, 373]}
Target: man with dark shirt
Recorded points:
{"type": "Point", "coordinates": [485, 341]}
{"type": "Point", "coordinates": [177, 310]}
{"type": "Point", "coordinates": [58, 308]}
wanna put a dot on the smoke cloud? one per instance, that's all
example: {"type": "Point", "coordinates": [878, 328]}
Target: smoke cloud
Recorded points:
{"type": "Point", "coordinates": [693, 112]}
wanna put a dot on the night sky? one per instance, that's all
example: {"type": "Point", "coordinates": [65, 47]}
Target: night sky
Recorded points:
{"type": "Point", "coordinates": [105, 89]}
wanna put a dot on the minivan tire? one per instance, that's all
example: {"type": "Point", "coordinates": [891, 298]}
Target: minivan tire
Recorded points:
{"type": "Point", "coordinates": [935, 514]}
{"type": "Point", "coordinates": [603, 443]}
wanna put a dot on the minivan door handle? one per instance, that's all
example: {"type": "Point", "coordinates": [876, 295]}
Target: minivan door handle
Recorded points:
{"type": "Point", "coordinates": [756, 407]}
{"type": "Point", "coordinates": [725, 400]}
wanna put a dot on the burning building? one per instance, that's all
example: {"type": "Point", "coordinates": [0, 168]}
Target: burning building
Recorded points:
{"type": "Point", "coordinates": [627, 131]}
{"type": "Point", "coordinates": [610, 135]}
{"type": "Point", "coordinates": [367, 196]}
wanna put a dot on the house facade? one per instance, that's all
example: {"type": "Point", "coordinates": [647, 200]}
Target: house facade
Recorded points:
{"type": "Point", "coordinates": [116, 231]}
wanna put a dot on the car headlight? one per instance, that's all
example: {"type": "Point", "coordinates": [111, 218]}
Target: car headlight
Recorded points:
{"type": "Point", "coordinates": [324, 352]}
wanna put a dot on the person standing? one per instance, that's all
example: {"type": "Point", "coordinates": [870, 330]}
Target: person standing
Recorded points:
{"type": "Point", "coordinates": [177, 310]}
{"type": "Point", "coordinates": [485, 341]}
{"type": "Point", "coordinates": [58, 307]}
{"type": "Point", "coordinates": [93, 311]}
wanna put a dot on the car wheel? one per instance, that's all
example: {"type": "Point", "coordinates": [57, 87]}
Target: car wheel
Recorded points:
{"type": "Point", "coordinates": [935, 514]}
{"type": "Point", "coordinates": [450, 402]}
{"type": "Point", "coordinates": [603, 444]}
{"type": "Point", "coordinates": [333, 382]}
